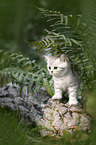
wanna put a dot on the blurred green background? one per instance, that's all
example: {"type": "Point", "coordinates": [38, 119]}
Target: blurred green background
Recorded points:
{"type": "Point", "coordinates": [20, 21]}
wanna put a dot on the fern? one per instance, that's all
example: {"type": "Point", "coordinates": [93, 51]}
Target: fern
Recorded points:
{"type": "Point", "coordinates": [49, 86]}
{"type": "Point", "coordinates": [69, 35]}
{"type": "Point", "coordinates": [22, 70]}
{"type": "Point", "coordinates": [13, 59]}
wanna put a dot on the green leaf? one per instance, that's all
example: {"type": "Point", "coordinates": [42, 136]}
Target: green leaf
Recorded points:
{"type": "Point", "coordinates": [1, 78]}
{"type": "Point", "coordinates": [48, 86]}
{"type": "Point", "coordinates": [29, 85]}
{"type": "Point", "coordinates": [76, 42]}
{"type": "Point", "coordinates": [61, 16]}
{"type": "Point", "coordinates": [37, 85]}
{"type": "Point", "coordinates": [66, 20]}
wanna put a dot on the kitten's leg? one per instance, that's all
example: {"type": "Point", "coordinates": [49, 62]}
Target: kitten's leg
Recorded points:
{"type": "Point", "coordinates": [58, 94]}
{"type": "Point", "coordinates": [73, 91]}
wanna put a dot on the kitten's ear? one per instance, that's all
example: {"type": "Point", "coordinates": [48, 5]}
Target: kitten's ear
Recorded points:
{"type": "Point", "coordinates": [46, 57]}
{"type": "Point", "coordinates": [63, 57]}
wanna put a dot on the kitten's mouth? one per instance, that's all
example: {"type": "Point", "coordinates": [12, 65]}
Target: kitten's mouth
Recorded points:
{"type": "Point", "coordinates": [52, 73]}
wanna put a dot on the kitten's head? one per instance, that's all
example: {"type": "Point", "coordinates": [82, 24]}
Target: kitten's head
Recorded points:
{"type": "Point", "coordinates": [57, 66]}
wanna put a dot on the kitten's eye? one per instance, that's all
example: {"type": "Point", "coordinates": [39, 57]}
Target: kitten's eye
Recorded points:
{"type": "Point", "coordinates": [55, 67]}
{"type": "Point", "coordinates": [49, 67]}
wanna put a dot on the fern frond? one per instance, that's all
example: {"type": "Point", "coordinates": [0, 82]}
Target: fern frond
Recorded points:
{"type": "Point", "coordinates": [65, 31]}
{"type": "Point", "coordinates": [22, 70]}
{"type": "Point", "coordinates": [11, 59]}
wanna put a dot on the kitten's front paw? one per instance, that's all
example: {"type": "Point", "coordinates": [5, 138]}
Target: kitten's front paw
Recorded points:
{"type": "Point", "coordinates": [73, 102]}
{"type": "Point", "coordinates": [56, 97]}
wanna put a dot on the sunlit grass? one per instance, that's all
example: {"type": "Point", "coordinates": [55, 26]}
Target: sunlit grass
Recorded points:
{"type": "Point", "coordinates": [10, 132]}
{"type": "Point", "coordinates": [14, 131]}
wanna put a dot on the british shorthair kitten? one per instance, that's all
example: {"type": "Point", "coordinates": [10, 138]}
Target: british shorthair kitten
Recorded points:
{"type": "Point", "coordinates": [64, 79]}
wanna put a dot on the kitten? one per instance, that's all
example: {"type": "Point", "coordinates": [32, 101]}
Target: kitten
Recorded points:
{"type": "Point", "coordinates": [64, 79]}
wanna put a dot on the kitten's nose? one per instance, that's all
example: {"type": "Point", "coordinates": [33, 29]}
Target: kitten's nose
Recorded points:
{"type": "Point", "coordinates": [52, 72]}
